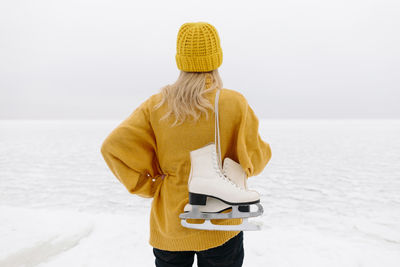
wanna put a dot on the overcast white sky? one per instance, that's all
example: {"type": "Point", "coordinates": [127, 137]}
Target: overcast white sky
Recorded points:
{"type": "Point", "coordinates": [98, 59]}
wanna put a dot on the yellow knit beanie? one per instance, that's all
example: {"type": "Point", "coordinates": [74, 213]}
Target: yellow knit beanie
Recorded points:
{"type": "Point", "coordinates": [198, 47]}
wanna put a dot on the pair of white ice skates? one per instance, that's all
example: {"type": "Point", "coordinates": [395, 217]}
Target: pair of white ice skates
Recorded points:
{"type": "Point", "coordinates": [214, 189]}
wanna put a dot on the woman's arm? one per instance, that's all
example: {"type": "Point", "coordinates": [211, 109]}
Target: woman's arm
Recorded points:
{"type": "Point", "coordinates": [253, 152]}
{"type": "Point", "coordinates": [130, 153]}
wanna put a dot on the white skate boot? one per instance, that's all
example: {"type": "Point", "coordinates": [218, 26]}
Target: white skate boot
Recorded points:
{"type": "Point", "coordinates": [214, 205]}
{"type": "Point", "coordinates": [236, 174]}
{"type": "Point", "coordinates": [206, 179]}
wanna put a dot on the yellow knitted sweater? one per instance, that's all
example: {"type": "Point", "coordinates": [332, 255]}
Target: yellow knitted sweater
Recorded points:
{"type": "Point", "coordinates": [151, 159]}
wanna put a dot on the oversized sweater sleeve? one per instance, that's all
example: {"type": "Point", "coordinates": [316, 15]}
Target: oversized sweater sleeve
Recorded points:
{"type": "Point", "coordinates": [129, 151]}
{"type": "Point", "coordinates": [253, 152]}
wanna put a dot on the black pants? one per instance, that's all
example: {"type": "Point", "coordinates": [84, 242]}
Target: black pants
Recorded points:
{"type": "Point", "coordinates": [229, 254]}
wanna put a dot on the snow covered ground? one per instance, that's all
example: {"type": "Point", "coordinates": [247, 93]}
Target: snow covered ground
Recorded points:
{"type": "Point", "coordinates": [331, 195]}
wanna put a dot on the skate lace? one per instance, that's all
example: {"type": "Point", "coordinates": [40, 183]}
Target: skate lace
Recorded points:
{"type": "Point", "coordinates": [222, 173]}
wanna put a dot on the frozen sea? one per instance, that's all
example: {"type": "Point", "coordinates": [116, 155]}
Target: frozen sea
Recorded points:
{"type": "Point", "coordinates": [331, 195]}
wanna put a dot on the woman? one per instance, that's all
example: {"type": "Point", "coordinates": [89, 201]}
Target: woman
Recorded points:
{"type": "Point", "coordinates": [149, 151]}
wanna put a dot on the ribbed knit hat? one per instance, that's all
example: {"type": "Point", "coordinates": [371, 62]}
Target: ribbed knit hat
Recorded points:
{"type": "Point", "coordinates": [198, 47]}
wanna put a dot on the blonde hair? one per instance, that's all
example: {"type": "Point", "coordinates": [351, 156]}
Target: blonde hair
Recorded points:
{"type": "Point", "coordinates": [186, 97]}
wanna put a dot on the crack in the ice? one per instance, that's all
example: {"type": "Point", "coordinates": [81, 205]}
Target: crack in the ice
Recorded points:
{"type": "Point", "coordinates": [44, 250]}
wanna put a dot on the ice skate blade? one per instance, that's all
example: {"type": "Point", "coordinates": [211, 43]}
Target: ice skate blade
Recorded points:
{"type": "Point", "coordinates": [208, 225]}
{"type": "Point", "coordinates": [195, 213]}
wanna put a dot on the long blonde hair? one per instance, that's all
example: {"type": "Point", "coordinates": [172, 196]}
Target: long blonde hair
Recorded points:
{"type": "Point", "coordinates": [186, 97]}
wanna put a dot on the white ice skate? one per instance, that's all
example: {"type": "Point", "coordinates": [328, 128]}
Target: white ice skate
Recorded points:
{"type": "Point", "coordinates": [213, 190]}
{"type": "Point", "coordinates": [236, 174]}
